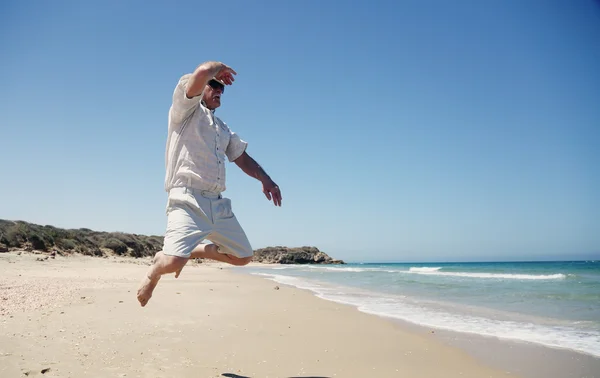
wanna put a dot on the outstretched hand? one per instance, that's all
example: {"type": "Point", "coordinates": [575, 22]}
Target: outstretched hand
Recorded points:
{"type": "Point", "coordinates": [225, 74]}
{"type": "Point", "coordinates": [272, 192]}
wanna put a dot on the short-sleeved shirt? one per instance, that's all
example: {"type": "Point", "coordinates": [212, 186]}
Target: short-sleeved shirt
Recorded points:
{"type": "Point", "coordinates": [197, 144]}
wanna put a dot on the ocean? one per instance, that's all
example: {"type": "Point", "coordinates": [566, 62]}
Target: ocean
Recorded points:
{"type": "Point", "coordinates": [556, 304]}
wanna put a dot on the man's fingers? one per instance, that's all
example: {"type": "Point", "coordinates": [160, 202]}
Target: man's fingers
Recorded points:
{"type": "Point", "coordinates": [226, 75]}
{"type": "Point", "coordinates": [273, 194]}
{"type": "Point", "coordinates": [229, 80]}
{"type": "Point", "coordinates": [277, 196]}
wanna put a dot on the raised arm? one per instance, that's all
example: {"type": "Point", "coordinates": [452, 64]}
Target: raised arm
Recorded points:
{"type": "Point", "coordinates": [185, 99]}
{"type": "Point", "coordinates": [206, 71]}
{"type": "Point", "coordinates": [253, 169]}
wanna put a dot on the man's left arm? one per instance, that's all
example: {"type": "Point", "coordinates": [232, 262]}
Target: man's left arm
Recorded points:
{"type": "Point", "coordinates": [253, 169]}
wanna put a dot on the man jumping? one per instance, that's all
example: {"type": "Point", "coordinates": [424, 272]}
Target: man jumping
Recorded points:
{"type": "Point", "coordinates": [197, 144]}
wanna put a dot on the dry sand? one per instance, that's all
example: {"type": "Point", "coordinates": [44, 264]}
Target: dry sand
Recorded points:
{"type": "Point", "coordinates": [79, 317]}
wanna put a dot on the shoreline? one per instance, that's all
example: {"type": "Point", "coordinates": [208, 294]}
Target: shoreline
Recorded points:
{"type": "Point", "coordinates": [239, 323]}
{"type": "Point", "coordinates": [530, 359]}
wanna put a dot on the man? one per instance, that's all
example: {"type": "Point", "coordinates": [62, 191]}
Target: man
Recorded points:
{"type": "Point", "coordinates": [197, 144]}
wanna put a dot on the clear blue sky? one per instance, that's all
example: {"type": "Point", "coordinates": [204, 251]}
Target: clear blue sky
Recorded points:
{"type": "Point", "coordinates": [397, 130]}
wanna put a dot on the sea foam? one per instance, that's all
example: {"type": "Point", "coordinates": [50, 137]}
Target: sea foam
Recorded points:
{"type": "Point", "coordinates": [434, 271]}
{"type": "Point", "coordinates": [507, 276]}
{"type": "Point", "coordinates": [424, 269]}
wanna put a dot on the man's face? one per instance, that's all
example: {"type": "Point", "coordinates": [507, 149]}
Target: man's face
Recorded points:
{"type": "Point", "coordinates": [212, 94]}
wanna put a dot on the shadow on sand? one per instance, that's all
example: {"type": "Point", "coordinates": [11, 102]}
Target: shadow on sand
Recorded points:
{"type": "Point", "coordinates": [231, 375]}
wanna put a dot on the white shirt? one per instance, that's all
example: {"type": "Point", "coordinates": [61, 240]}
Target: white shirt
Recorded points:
{"type": "Point", "coordinates": [197, 144]}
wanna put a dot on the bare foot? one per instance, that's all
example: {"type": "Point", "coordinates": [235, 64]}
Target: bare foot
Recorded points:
{"type": "Point", "coordinates": [144, 293]}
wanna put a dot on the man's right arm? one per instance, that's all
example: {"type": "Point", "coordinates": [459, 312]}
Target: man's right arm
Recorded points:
{"type": "Point", "coordinates": [205, 72]}
{"type": "Point", "coordinates": [192, 85]}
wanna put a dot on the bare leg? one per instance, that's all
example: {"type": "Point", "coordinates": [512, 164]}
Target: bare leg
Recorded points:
{"type": "Point", "coordinates": [209, 251]}
{"type": "Point", "coordinates": [165, 264]}
{"type": "Point", "coordinates": [162, 264]}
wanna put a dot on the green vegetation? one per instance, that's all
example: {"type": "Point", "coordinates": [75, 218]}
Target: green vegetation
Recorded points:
{"type": "Point", "coordinates": [20, 235]}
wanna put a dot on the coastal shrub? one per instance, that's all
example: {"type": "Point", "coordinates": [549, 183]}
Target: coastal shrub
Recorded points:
{"type": "Point", "coordinates": [130, 241]}
{"type": "Point", "coordinates": [154, 243]}
{"type": "Point", "coordinates": [116, 245]}
{"type": "Point", "coordinates": [81, 249]}
{"type": "Point", "coordinates": [91, 242]}
{"type": "Point", "coordinates": [4, 227]}
{"type": "Point", "coordinates": [48, 240]}
{"type": "Point", "coordinates": [79, 238]}
{"type": "Point", "coordinates": [14, 237]}
{"type": "Point", "coordinates": [37, 242]}
{"type": "Point", "coordinates": [40, 241]}
{"type": "Point", "coordinates": [54, 233]}
{"type": "Point", "coordinates": [20, 234]}
{"type": "Point", "coordinates": [136, 247]}
{"type": "Point", "coordinates": [137, 253]}
{"type": "Point", "coordinates": [89, 250]}
{"type": "Point", "coordinates": [95, 239]}
{"type": "Point", "coordinates": [3, 239]}
{"type": "Point", "coordinates": [17, 234]}
{"type": "Point", "coordinates": [66, 244]}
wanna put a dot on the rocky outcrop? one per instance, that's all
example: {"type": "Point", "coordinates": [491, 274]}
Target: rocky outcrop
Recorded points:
{"type": "Point", "coordinates": [285, 255]}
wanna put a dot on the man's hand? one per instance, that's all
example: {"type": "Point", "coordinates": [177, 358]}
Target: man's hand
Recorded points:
{"type": "Point", "coordinates": [253, 169]}
{"type": "Point", "coordinates": [225, 74]}
{"type": "Point", "coordinates": [272, 192]}
{"type": "Point", "coordinates": [206, 71]}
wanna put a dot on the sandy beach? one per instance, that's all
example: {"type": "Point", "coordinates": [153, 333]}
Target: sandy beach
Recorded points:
{"type": "Point", "coordinates": [78, 317]}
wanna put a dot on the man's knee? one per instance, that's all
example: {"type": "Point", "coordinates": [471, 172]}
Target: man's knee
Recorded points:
{"type": "Point", "coordinates": [241, 261]}
{"type": "Point", "coordinates": [171, 263]}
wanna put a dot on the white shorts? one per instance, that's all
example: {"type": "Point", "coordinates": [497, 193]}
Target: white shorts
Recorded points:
{"type": "Point", "coordinates": [194, 215]}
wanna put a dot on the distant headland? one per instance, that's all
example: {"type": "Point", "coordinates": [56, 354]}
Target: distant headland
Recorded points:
{"type": "Point", "coordinates": [285, 255]}
{"type": "Point", "coordinates": [25, 236]}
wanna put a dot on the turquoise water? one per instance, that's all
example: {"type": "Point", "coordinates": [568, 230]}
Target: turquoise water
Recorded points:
{"type": "Point", "coordinates": [556, 304]}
